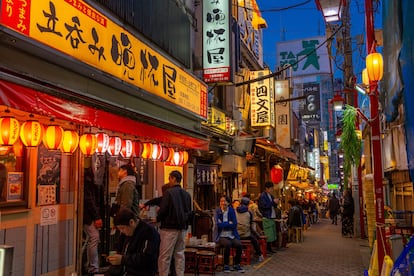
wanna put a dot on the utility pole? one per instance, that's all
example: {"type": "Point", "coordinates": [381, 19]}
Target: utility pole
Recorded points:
{"type": "Point", "coordinates": [349, 90]}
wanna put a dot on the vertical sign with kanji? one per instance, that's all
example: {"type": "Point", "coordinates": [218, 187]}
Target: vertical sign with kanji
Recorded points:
{"type": "Point", "coordinates": [282, 113]}
{"type": "Point", "coordinates": [262, 100]}
{"type": "Point", "coordinates": [216, 41]}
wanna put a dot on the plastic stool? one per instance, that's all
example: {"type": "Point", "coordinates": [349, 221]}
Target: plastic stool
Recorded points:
{"type": "Point", "coordinates": [263, 245]}
{"type": "Point", "coordinates": [190, 260]}
{"type": "Point", "coordinates": [247, 250]}
{"type": "Point", "coordinates": [206, 262]}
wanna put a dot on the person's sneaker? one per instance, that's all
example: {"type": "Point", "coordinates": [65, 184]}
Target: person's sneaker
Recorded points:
{"type": "Point", "coordinates": [260, 259]}
{"type": "Point", "coordinates": [238, 268]}
{"type": "Point", "coordinates": [226, 269]}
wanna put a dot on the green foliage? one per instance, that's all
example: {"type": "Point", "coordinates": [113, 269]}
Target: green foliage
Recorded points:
{"type": "Point", "coordinates": [350, 143]}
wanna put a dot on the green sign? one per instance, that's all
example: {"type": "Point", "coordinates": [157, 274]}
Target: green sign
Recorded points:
{"type": "Point", "coordinates": [332, 186]}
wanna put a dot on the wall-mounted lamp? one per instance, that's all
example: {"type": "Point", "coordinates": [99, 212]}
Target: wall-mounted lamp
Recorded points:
{"type": "Point", "coordinates": [331, 9]}
{"type": "Point", "coordinates": [337, 102]}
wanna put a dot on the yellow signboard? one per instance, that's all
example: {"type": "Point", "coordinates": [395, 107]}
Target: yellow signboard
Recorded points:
{"type": "Point", "coordinates": [78, 30]}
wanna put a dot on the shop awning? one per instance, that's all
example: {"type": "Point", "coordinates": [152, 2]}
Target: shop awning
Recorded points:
{"type": "Point", "coordinates": [37, 102]}
{"type": "Point", "coordinates": [280, 151]}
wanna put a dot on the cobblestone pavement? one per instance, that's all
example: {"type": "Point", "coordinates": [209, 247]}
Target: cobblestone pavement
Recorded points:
{"type": "Point", "coordinates": [323, 252]}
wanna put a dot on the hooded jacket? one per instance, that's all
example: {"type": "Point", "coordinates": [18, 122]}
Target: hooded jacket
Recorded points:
{"type": "Point", "coordinates": [127, 194]}
{"type": "Point", "coordinates": [244, 221]}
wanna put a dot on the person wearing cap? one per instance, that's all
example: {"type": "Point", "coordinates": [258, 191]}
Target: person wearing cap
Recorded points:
{"type": "Point", "coordinates": [138, 246]}
{"type": "Point", "coordinates": [267, 206]}
{"type": "Point", "coordinates": [245, 226]}
{"type": "Point", "coordinates": [174, 215]}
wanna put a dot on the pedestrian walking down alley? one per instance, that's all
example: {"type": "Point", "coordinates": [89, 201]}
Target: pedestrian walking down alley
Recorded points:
{"type": "Point", "coordinates": [323, 252]}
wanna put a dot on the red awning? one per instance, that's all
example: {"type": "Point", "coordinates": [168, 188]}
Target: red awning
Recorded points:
{"type": "Point", "coordinates": [33, 101]}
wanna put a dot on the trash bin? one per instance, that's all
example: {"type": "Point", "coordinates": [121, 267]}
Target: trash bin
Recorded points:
{"type": "Point", "coordinates": [397, 246]}
{"type": "Point", "coordinates": [6, 260]}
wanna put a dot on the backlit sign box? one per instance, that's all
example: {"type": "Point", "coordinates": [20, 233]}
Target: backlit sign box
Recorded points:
{"type": "Point", "coordinates": [216, 41]}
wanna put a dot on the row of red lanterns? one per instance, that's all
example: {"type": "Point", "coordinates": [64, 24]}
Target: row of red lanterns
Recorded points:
{"type": "Point", "coordinates": [54, 137]}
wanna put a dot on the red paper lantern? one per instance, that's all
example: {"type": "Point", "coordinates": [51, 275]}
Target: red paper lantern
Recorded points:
{"type": "Point", "coordinates": [146, 150]}
{"type": "Point", "coordinates": [165, 154]}
{"type": "Point", "coordinates": [31, 133]}
{"type": "Point", "coordinates": [276, 174]}
{"type": "Point", "coordinates": [9, 131]}
{"type": "Point", "coordinates": [156, 152]}
{"type": "Point", "coordinates": [126, 148]}
{"type": "Point", "coordinates": [102, 140]}
{"type": "Point", "coordinates": [170, 158]}
{"type": "Point", "coordinates": [185, 157]}
{"type": "Point", "coordinates": [115, 145]}
{"type": "Point", "coordinates": [88, 144]}
{"type": "Point", "coordinates": [137, 148]}
{"type": "Point", "coordinates": [178, 158]}
{"type": "Point", "coordinates": [70, 141]}
{"type": "Point", "coordinates": [53, 137]}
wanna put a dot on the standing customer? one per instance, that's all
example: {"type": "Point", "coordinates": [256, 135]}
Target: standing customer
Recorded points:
{"type": "Point", "coordinates": [174, 215]}
{"type": "Point", "coordinates": [267, 206]}
{"type": "Point", "coordinates": [138, 250]}
{"type": "Point", "coordinates": [126, 192]}
{"type": "Point", "coordinates": [226, 234]}
{"type": "Point", "coordinates": [92, 222]}
{"type": "Point", "coordinates": [333, 207]}
{"type": "Point", "coordinates": [348, 214]}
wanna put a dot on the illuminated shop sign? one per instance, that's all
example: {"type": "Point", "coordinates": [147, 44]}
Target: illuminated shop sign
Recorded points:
{"type": "Point", "coordinates": [76, 29]}
{"type": "Point", "coordinates": [216, 41]}
{"type": "Point", "coordinates": [262, 100]}
{"type": "Point", "coordinates": [282, 113]}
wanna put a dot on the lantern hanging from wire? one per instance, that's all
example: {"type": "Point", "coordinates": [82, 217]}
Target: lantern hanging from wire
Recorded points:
{"type": "Point", "coordinates": [70, 141]}
{"type": "Point", "coordinates": [137, 148]}
{"type": "Point", "coordinates": [102, 140]}
{"type": "Point", "coordinates": [156, 152]}
{"type": "Point", "coordinates": [53, 137]}
{"type": "Point", "coordinates": [178, 158]}
{"type": "Point", "coordinates": [9, 130]}
{"type": "Point", "coordinates": [375, 67]}
{"type": "Point", "coordinates": [146, 150]}
{"type": "Point", "coordinates": [31, 133]}
{"type": "Point", "coordinates": [276, 174]}
{"type": "Point", "coordinates": [185, 157]}
{"type": "Point", "coordinates": [88, 144]}
{"type": "Point", "coordinates": [126, 148]}
{"type": "Point", "coordinates": [170, 157]}
{"type": "Point", "coordinates": [165, 154]}
{"type": "Point", "coordinates": [115, 145]}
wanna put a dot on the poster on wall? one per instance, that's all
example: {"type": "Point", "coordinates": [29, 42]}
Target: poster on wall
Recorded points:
{"type": "Point", "coordinates": [48, 176]}
{"type": "Point", "coordinates": [14, 186]}
{"type": "Point", "coordinates": [252, 176]}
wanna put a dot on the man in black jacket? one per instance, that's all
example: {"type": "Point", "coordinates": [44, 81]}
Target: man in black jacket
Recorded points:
{"type": "Point", "coordinates": [138, 250]}
{"type": "Point", "coordinates": [174, 215]}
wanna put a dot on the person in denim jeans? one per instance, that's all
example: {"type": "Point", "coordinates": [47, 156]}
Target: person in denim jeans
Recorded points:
{"type": "Point", "coordinates": [226, 234]}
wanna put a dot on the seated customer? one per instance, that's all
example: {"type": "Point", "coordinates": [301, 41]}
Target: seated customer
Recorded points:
{"type": "Point", "coordinates": [245, 226]}
{"type": "Point", "coordinates": [138, 246]}
{"type": "Point", "coordinates": [226, 234]}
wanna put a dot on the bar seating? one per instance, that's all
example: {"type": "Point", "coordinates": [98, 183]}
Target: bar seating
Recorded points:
{"type": "Point", "coordinates": [263, 245]}
{"type": "Point", "coordinates": [206, 262]}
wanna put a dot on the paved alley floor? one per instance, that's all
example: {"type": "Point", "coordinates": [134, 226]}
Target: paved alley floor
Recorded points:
{"type": "Point", "coordinates": [324, 252]}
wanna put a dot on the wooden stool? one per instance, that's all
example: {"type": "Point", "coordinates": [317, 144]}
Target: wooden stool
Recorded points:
{"type": "Point", "coordinates": [206, 262]}
{"type": "Point", "coordinates": [190, 260]}
{"type": "Point", "coordinates": [298, 234]}
{"type": "Point", "coordinates": [263, 245]}
{"type": "Point", "coordinates": [247, 250]}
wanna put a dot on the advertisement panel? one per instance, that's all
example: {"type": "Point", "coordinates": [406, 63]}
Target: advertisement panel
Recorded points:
{"type": "Point", "coordinates": [311, 110]}
{"type": "Point", "coordinates": [307, 56]}
{"type": "Point", "coordinates": [78, 30]}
